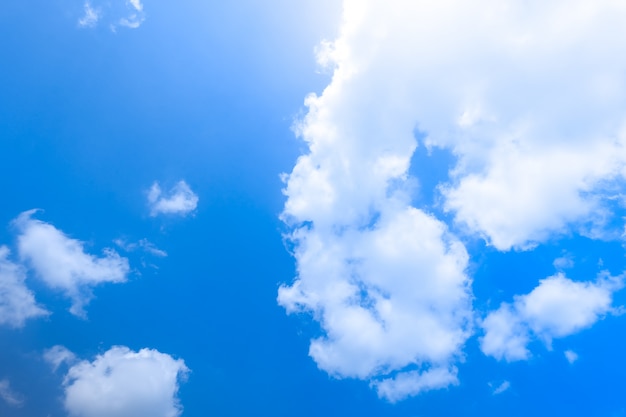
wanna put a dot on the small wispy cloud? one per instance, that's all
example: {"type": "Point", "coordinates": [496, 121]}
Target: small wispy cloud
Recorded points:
{"type": "Point", "coordinates": [9, 396]}
{"type": "Point", "coordinates": [504, 386]}
{"type": "Point", "coordinates": [59, 355]}
{"type": "Point", "coordinates": [180, 200]}
{"type": "Point", "coordinates": [571, 356]}
{"type": "Point", "coordinates": [91, 16]}
{"type": "Point", "coordinates": [143, 244]}
{"type": "Point", "coordinates": [126, 13]}
{"type": "Point", "coordinates": [136, 16]}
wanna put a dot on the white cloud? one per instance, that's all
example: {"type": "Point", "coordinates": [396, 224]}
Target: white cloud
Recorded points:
{"type": "Point", "coordinates": [133, 21]}
{"type": "Point", "coordinates": [9, 396]}
{"type": "Point", "coordinates": [58, 355]}
{"type": "Point", "coordinates": [563, 262]}
{"type": "Point", "coordinates": [532, 109]}
{"type": "Point", "coordinates": [136, 16]}
{"type": "Point", "coordinates": [504, 386]}
{"type": "Point", "coordinates": [127, 13]}
{"type": "Point", "coordinates": [62, 264]}
{"type": "Point", "coordinates": [17, 302]}
{"type": "Point", "coordinates": [90, 18]}
{"type": "Point", "coordinates": [506, 336]}
{"type": "Point", "coordinates": [412, 383]}
{"type": "Point", "coordinates": [556, 308]}
{"type": "Point", "coordinates": [136, 4]}
{"type": "Point", "coordinates": [520, 92]}
{"type": "Point", "coordinates": [386, 301]}
{"type": "Point", "coordinates": [143, 244]}
{"type": "Point", "coordinates": [525, 195]}
{"type": "Point", "coordinates": [122, 383]}
{"type": "Point", "coordinates": [385, 280]}
{"type": "Point", "coordinates": [180, 200]}
{"type": "Point", "coordinates": [571, 356]}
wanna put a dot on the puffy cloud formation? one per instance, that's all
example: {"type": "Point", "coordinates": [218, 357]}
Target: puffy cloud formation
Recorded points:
{"type": "Point", "coordinates": [62, 264]}
{"type": "Point", "coordinates": [386, 300]}
{"type": "Point", "coordinates": [122, 383]}
{"type": "Point", "coordinates": [90, 18]}
{"type": "Point", "coordinates": [180, 200]}
{"type": "Point", "coordinates": [9, 396]}
{"type": "Point", "coordinates": [533, 111]}
{"type": "Point", "coordinates": [385, 280]}
{"type": "Point", "coordinates": [519, 91]}
{"type": "Point", "coordinates": [17, 302]}
{"type": "Point", "coordinates": [557, 307]}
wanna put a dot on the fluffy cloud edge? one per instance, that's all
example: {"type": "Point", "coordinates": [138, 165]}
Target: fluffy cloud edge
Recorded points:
{"type": "Point", "coordinates": [62, 263]}
{"type": "Point", "coordinates": [122, 382]}
{"type": "Point", "coordinates": [556, 308]}
{"type": "Point", "coordinates": [17, 302]}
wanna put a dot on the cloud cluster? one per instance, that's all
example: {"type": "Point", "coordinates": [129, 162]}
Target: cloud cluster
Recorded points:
{"type": "Point", "coordinates": [122, 383]}
{"type": "Point", "coordinates": [180, 200]}
{"type": "Point", "coordinates": [556, 308]}
{"type": "Point", "coordinates": [532, 109]}
{"type": "Point", "coordinates": [17, 302]}
{"type": "Point", "coordinates": [62, 263]}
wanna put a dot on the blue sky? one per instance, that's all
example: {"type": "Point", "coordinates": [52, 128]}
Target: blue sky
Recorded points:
{"type": "Point", "coordinates": [312, 208]}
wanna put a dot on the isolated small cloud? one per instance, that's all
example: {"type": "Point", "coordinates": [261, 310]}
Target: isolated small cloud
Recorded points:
{"type": "Point", "coordinates": [408, 384]}
{"type": "Point", "coordinates": [563, 262]}
{"type": "Point", "coordinates": [59, 355]}
{"type": "Point", "coordinates": [62, 263]}
{"type": "Point", "coordinates": [123, 383]}
{"type": "Point", "coordinates": [9, 396]}
{"type": "Point", "coordinates": [143, 245]}
{"type": "Point", "coordinates": [17, 302]}
{"type": "Point", "coordinates": [556, 308]}
{"type": "Point", "coordinates": [571, 356]}
{"type": "Point", "coordinates": [504, 386]}
{"type": "Point", "coordinates": [133, 21]}
{"type": "Point", "coordinates": [180, 200]}
{"type": "Point", "coordinates": [91, 16]}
